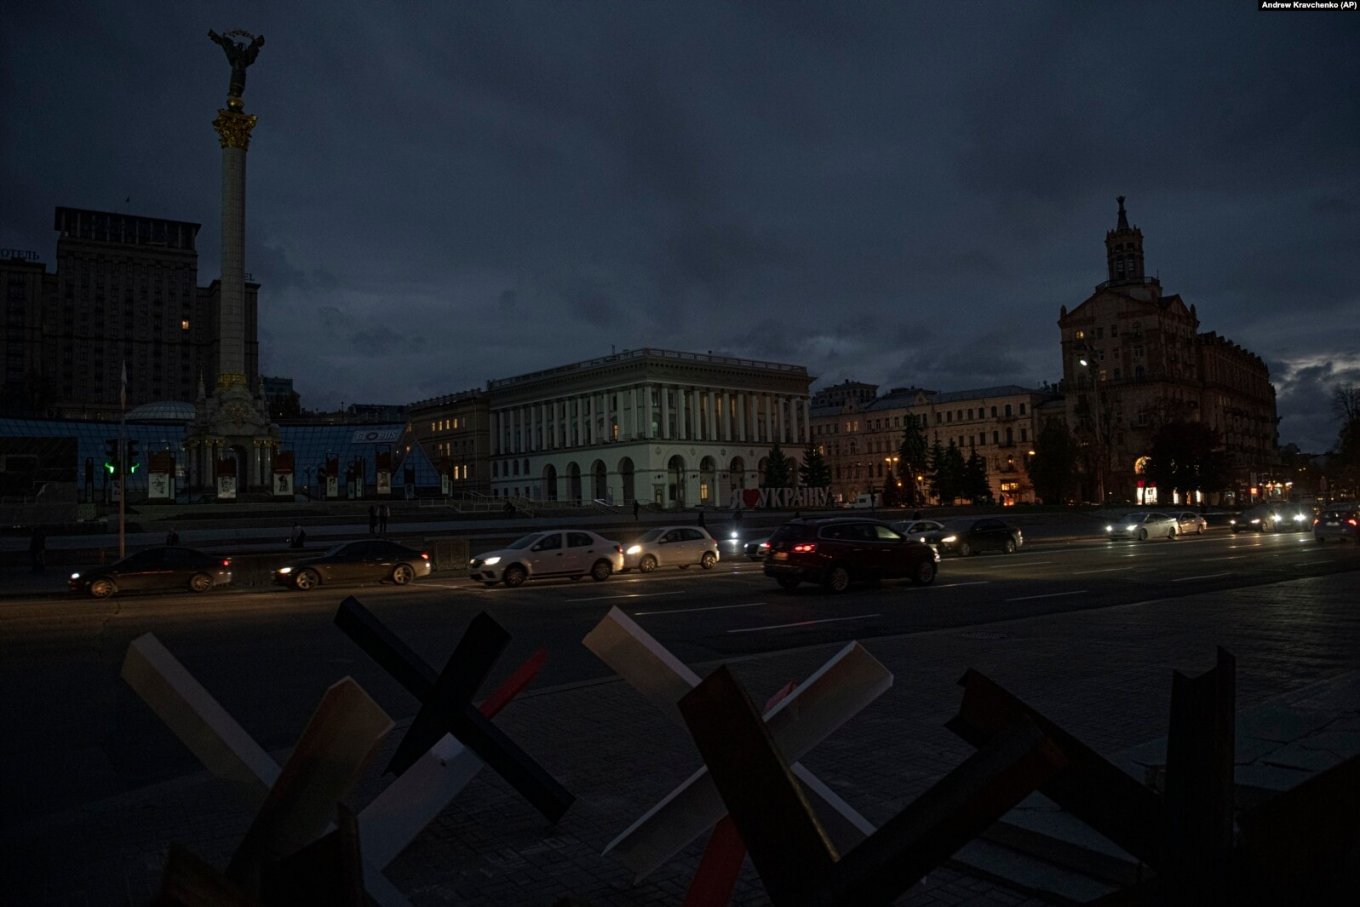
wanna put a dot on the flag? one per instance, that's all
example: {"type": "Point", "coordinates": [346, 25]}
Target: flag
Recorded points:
{"type": "Point", "coordinates": [122, 396]}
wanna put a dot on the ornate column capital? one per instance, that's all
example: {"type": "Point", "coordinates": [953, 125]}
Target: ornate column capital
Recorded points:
{"type": "Point", "coordinates": [233, 127]}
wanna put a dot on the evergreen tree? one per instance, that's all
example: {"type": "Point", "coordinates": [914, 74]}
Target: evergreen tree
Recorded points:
{"type": "Point", "coordinates": [936, 472]}
{"type": "Point", "coordinates": [892, 495]}
{"type": "Point", "coordinates": [1053, 468]}
{"type": "Point", "coordinates": [777, 471]}
{"type": "Point", "coordinates": [1186, 457]}
{"type": "Point", "coordinates": [912, 460]}
{"type": "Point", "coordinates": [814, 472]}
{"type": "Point", "coordinates": [975, 486]}
{"type": "Point", "coordinates": [953, 473]}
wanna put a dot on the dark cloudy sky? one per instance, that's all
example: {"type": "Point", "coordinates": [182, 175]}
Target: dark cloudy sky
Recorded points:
{"type": "Point", "coordinates": [900, 193]}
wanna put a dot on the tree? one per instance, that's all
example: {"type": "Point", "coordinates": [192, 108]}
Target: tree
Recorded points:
{"type": "Point", "coordinates": [1187, 457]}
{"type": "Point", "coordinates": [777, 471]}
{"type": "Point", "coordinates": [912, 456]}
{"type": "Point", "coordinates": [974, 485]}
{"type": "Point", "coordinates": [1343, 463]}
{"type": "Point", "coordinates": [946, 472]}
{"type": "Point", "coordinates": [814, 472]}
{"type": "Point", "coordinates": [1053, 468]}
{"type": "Point", "coordinates": [892, 495]}
{"type": "Point", "coordinates": [935, 471]}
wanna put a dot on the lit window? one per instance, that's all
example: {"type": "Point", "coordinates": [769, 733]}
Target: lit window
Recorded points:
{"type": "Point", "coordinates": [184, 325]}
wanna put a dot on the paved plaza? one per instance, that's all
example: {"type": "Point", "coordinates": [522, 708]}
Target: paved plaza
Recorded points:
{"type": "Point", "coordinates": [1104, 675]}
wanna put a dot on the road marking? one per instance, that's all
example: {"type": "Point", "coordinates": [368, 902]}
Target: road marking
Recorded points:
{"type": "Point", "coordinates": [691, 610]}
{"type": "Point", "coordinates": [980, 582]}
{"type": "Point", "coordinates": [1101, 570]}
{"type": "Point", "coordinates": [1025, 598]}
{"type": "Point", "coordinates": [803, 623]}
{"type": "Point", "coordinates": [1186, 579]}
{"type": "Point", "coordinates": [600, 598]}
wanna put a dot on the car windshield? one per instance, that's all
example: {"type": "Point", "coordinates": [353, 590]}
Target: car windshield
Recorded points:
{"type": "Point", "coordinates": [341, 548]}
{"type": "Point", "coordinates": [526, 541]}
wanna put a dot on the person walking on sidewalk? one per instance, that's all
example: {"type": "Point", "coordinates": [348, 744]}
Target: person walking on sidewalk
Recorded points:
{"type": "Point", "coordinates": [37, 549]}
{"type": "Point", "coordinates": [636, 508]}
{"type": "Point", "coordinates": [172, 537]}
{"type": "Point", "coordinates": [383, 514]}
{"type": "Point", "coordinates": [298, 538]}
{"type": "Point", "coordinates": [372, 519]}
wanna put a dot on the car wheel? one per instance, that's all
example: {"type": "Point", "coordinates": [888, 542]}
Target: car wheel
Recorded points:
{"type": "Point", "coordinates": [306, 579]}
{"type": "Point", "coordinates": [708, 561]}
{"type": "Point", "coordinates": [1009, 547]}
{"type": "Point", "coordinates": [102, 588]}
{"type": "Point", "coordinates": [1265, 526]}
{"type": "Point", "coordinates": [1171, 533]}
{"type": "Point", "coordinates": [647, 564]}
{"type": "Point", "coordinates": [601, 571]}
{"type": "Point", "coordinates": [402, 574]}
{"type": "Point", "coordinates": [787, 583]}
{"type": "Point", "coordinates": [924, 574]}
{"type": "Point", "coordinates": [1142, 535]}
{"type": "Point", "coordinates": [837, 579]}
{"type": "Point", "coordinates": [1199, 529]}
{"type": "Point", "coordinates": [514, 575]}
{"type": "Point", "coordinates": [200, 582]}
{"type": "Point", "coordinates": [965, 549]}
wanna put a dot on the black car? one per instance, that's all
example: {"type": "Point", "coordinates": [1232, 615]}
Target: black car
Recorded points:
{"type": "Point", "coordinates": [154, 569]}
{"type": "Point", "coordinates": [836, 551]}
{"type": "Point", "coordinates": [367, 560]}
{"type": "Point", "coordinates": [1276, 516]}
{"type": "Point", "coordinates": [967, 536]}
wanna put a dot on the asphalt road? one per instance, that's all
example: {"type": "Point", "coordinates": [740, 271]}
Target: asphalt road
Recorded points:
{"type": "Point", "coordinates": [77, 733]}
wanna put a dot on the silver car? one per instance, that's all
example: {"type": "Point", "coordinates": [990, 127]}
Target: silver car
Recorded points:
{"type": "Point", "coordinates": [572, 553]}
{"type": "Point", "coordinates": [1143, 526]}
{"type": "Point", "coordinates": [916, 529]}
{"type": "Point", "coordinates": [671, 546]}
{"type": "Point", "coordinates": [1188, 521]}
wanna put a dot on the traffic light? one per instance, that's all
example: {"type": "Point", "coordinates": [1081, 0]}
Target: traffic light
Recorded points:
{"type": "Point", "coordinates": [111, 456]}
{"type": "Point", "coordinates": [132, 463]}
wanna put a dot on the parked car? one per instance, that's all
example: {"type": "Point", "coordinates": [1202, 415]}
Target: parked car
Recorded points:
{"type": "Point", "coordinates": [837, 551]}
{"type": "Point", "coordinates": [1279, 516]}
{"type": "Point", "coordinates": [365, 560]}
{"type": "Point", "coordinates": [671, 546]}
{"type": "Point", "coordinates": [966, 536]}
{"type": "Point", "coordinates": [1188, 521]}
{"type": "Point", "coordinates": [1143, 525]}
{"type": "Point", "coordinates": [169, 567]}
{"type": "Point", "coordinates": [917, 529]}
{"type": "Point", "coordinates": [756, 549]}
{"type": "Point", "coordinates": [572, 553]}
{"type": "Point", "coordinates": [1338, 521]}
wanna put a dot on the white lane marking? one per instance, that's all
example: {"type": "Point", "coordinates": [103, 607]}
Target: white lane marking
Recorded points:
{"type": "Point", "coordinates": [980, 582]}
{"type": "Point", "coordinates": [1025, 598]}
{"type": "Point", "coordinates": [600, 598]}
{"type": "Point", "coordinates": [803, 623]}
{"type": "Point", "coordinates": [1102, 570]}
{"type": "Point", "coordinates": [692, 610]}
{"type": "Point", "coordinates": [1186, 579]}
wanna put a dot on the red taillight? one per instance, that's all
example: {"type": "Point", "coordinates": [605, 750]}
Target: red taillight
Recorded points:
{"type": "Point", "coordinates": [1352, 522]}
{"type": "Point", "coordinates": [226, 562]}
{"type": "Point", "coordinates": [424, 555]}
{"type": "Point", "coordinates": [805, 548]}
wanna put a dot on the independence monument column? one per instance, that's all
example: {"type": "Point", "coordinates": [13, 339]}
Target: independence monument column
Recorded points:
{"type": "Point", "coordinates": [232, 426]}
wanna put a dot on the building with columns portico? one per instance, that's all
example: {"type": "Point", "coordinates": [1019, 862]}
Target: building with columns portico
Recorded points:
{"type": "Point", "coordinates": [656, 426]}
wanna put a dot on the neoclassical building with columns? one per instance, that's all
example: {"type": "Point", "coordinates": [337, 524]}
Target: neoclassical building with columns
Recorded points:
{"type": "Point", "coordinates": [659, 427]}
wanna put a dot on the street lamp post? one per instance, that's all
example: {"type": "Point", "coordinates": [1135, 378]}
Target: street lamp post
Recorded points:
{"type": "Point", "coordinates": [1091, 370]}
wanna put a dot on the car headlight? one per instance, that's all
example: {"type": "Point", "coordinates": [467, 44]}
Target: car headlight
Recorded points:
{"type": "Point", "coordinates": [1256, 519]}
{"type": "Point", "coordinates": [949, 540]}
{"type": "Point", "coordinates": [1109, 529]}
{"type": "Point", "coordinates": [491, 561]}
{"type": "Point", "coordinates": [285, 570]}
{"type": "Point", "coordinates": [1130, 527]}
{"type": "Point", "coordinates": [735, 534]}
{"type": "Point", "coordinates": [634, 549]}
{"type": "Point", "coordinates": [75, 576]}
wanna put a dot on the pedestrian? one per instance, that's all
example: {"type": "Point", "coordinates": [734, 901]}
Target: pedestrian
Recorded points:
{"type": "Point", "coordinates": [298, 538]}
{"type": "Point", "coordinates": [172, 537]}
{"type": "Point", "coordinates": [37, 549]}
{"type": "Point", "coordinates": [637, 508]}
{"type": "Point", "coordinates": [383, 514]}
{"type": "Point", "coordinates": [372, 519]}
{"type": "Point", "coordinates": [701, 518]}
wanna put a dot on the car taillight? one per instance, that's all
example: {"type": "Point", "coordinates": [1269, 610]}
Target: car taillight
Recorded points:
{"type": "Point", "coordinates": [424, 555]}
{"type": "Point", "coordinates": [226, 562]}
{"type": "Point", "coordinates": [1352, 522]}
{"type": "Point", "coordinates": [805, 548]}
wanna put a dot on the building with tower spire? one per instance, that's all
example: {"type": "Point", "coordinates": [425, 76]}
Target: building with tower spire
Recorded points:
{"type": "Point", "coordinates": [1134, 359]}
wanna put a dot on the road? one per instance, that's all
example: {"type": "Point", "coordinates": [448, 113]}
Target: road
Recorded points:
{"type": "Point", "coordinates": [77, 733]}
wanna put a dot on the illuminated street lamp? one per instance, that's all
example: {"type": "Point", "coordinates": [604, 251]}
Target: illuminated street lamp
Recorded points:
{"type": "Point", "coordinates": [1100, 438]}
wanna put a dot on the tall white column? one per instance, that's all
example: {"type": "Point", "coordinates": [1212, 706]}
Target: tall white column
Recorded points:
{"type": "Point", "coordinates": [681, 415]}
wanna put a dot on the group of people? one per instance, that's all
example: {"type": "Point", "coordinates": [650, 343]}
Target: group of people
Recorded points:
{"type": "Point", "coordinates": [377, 519]}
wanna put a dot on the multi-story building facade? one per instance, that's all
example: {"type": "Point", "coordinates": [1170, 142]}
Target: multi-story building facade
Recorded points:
{"type": "Point", "coordinates": [1133, 360]}
{"type": "Point", "coordinates": [455, 432]}
{"type": "Point", "coordinates": [860, 436]}
{"type": "Point", "coordinates": [125, 292]}
{"type": "Point", "coordinates": [657, 426]}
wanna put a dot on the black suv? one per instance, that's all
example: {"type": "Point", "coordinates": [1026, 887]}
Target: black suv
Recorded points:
{"type": "Point", "coordinates": [837, 551]}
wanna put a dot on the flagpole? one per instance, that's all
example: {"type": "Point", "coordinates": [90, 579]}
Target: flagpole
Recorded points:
{"type": "Point", "coordinates": [122, 467]}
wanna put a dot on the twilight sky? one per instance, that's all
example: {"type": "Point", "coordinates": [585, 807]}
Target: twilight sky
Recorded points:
{"type": "Point", "coordinates": [900, 193]}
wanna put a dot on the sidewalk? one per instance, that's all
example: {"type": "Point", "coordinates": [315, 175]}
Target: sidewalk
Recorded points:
{"type": "Point", "coordinates": [1104, 675]}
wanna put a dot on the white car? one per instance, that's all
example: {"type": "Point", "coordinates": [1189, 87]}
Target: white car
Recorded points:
{"type": "Point", "coordinates": [572, 553]}
{"type": "Point", "coordinates": [916, 529]}
{"type": "Point", "coordinates": [1189, 521]}
{"type": "Point", "coordinates": [671, 546]}
{"type": "Point", "coordinates": [1143, 526]}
